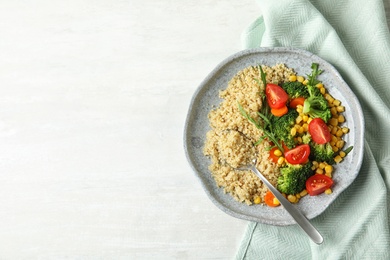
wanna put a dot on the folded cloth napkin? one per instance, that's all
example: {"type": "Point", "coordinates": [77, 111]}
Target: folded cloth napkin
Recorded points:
{"type": "Point", "coordinates": [354, 37]}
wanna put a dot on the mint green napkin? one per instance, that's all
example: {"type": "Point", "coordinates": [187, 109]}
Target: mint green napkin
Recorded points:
{"type": "Point", "coordinates": [354, 37]}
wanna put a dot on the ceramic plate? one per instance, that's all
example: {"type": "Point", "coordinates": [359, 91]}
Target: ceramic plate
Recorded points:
{"type": "Point", "coordinates": [206, 98]}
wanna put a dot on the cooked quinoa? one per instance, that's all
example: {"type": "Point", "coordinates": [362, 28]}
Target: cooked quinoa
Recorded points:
{"type": "Point", "coordinates": [230, 142]}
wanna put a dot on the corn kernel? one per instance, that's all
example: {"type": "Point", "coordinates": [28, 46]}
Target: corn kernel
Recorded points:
{"type": "Point", "coordinates": [342, 154]}
{"type": "Point", "coordinates": [328, 174]}
{"type": "Point", "coordinates": [305, 118]}
{"type": "Point", "coordinates": [339, 133]}
{"type": "Point", "coordinates": [292, 198]}
{"type": "Point", "coordinates": [293, 131]}
{"type": "Point", "coordinates": [328, 191]}
{"type": "Point", "coordinates": [333, 131]}
{"type": "Point", "coordinates": [277, 152]}
{"type": "Point", "coordinates": [335, 149]}
{"type": "Point", "coordinates": [333, 111]}
{"type": "Point", "coordinates": [303, 193]}
{"type": "Point", "coordinates": [333, 121]}
{"type": "Point", "coordinates": [298, 119]}
{"type": "Point", "coordinates": [320, 85]}
{"type": "Point", "coordinates": [300, 78]}
{"type": "Point", "coordinates": [345, 130]}
{"type": "Point", "coordinates": [298, 196]}
{"type": "Point", "coordinates": [341, 119]}
{"type": "Point", "coordinates": [257, 200]}
{"type": "Point", "coordinates": [281, 160]}
{"type": "Point", "coordinates": [340, 109]}
{"type": "Point", "coordinates": [301, 130]}
{"type": "Point", "coordinates": [336, 102]}
{"type": "Point", "coordinates": [276, 201]}
{"type": "Point", "coordinates": [340, 144]}
{"type": "Point", "coordinates": [338, 159]}
{"type": "Point", "coordinates": [305, 127]}
{"type": "Point", "coordinates": [305, 82]}
{"type": "Point", "coordinates": [328, 168]}
{"type": "Point", "coordinates": [293, 78]}
{"type": "Point", "coordinates": [321, 165]}
{"type": "Point", "coordinates": [319, 171]}
{"type": "Point", "coordinates": [309, 120]}
{"type": "Point", "coordinates": [322, 90]}
{"type": "Point", "coordinates": [329, 98]}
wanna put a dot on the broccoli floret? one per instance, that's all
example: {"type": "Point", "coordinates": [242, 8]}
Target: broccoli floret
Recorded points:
{"type": "Point", "coordinates": [295, 89]}
{"type": "Point", "coordinates": [282, 127]}
{"type": "Point", "coordinates": [292, 179]}
{"type": "Point", "coordinates": [322, 153]}
{"type": "Point", "coordinates": [316, 105]}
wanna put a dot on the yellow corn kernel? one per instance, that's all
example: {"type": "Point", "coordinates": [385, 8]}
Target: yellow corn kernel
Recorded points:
{"type": "Point", "coordinates": [298, 119]}
{"type": "Point", "coordinates": [322, 90]}
{"type": "Point", "coordinates": [276, 201]}
{"type": "Point", "coordinates": [309, 120]}
{"type": "Point", "coordinates": [328, 168]}
{"type": "Point", "coordinates": [329, 98]}
{"type": "Point", "coordinates": [339, 133]}
{"type": "Point", "coordinates": [328, 174]}
{"type": "Point", "coordinates": [341, 119]}
{"type": "Point", "coordinates": [333, 111]}
{"type": "Point", "coordinates": [293, 78]}
{"type": "Point", "coordinates": [342, 154]}
{"type": "Point", "coordinates": [292, 198]}
{"type": "Point", "coordinates": [345, 130]}
{"type": "Point", "coordinates": [305, 82]}
{"type": "Point", "coordinates": [328, 191]}
{"type": "Point", "coordinates": [281, 160]}
{"type": "Point", "coordinates": [333, 121]}
{"type": "Point", "coordinates": [301, 130]}
{"type": "Point", "coordinates": [336, 102]}
{"type": "Point", "coordinates": [335, 149]}
{"type": "Point", "coordinates": [293, 131]}
{"type": "Point", "coordinates": [321, 165]}
{"type": "Point", "coordinates": [257, 200]}
{"type": "Point", "coordinates": [300, 78]}
{"type": "Point", "coordinates": [277, 152]}
{"type": "Point", "coordinates": [340, 144]}
{"type": "Point", "coordinates": [305, 127]}
{"type": "Point", "coordinates": [320, 85]}
{"type": "Point", "coordinates": [338, 159]}
{"type": "Point", "coordinates": [303, 193]}
{"type": "Point", "coordinates": [340, 109]}
{"type": "Point", "coordinates": [334, 130]}
{"type": "Point", "coordinates": [319, 171]}
{"type": "Point", "coordinates": [298, 196]}
{"type": "Point", "coordinates": [305, 118]}
{"type": "Point", "coordinates": [299, 139]}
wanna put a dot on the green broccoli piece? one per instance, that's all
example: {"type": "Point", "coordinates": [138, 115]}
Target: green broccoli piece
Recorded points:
{"type": "Point", "coordinates": [316, 105]}
{"type": "Point", "coordinates": [295, 89]}
{"type": "Point", "coordinates": [292, 179]}
{"type": "Point", "coordinates": [281, 127]}
{"type": "Point", "coordinates": [322, 153]}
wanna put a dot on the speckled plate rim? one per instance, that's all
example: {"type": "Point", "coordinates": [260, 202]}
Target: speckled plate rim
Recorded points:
{"type": "Point", "coordinates": [206, 97]}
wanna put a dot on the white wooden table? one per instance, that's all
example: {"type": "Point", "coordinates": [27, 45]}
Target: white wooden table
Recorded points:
{"type": "Point", "coordinates": [93, 99]}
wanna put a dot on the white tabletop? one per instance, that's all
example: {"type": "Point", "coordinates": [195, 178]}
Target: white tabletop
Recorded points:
{"type": "Point", "coordinates": [94, 95]}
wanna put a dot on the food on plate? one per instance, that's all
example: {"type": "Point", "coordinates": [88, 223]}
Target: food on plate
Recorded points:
{"type": "Point", "coordinates": [289, 122]}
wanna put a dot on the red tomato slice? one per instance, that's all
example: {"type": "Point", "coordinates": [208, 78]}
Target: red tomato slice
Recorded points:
{"type": "Point", "coordinates": [298, 155]}
{"type": "Point", "coordinates": [317, 184]}
{"type": "Point", "coordinates": [319, 131]}
{"type": "Point", "coordinates": [276, 96]}
{"type": "Point", "coordinates": [272, 156]}
{"type": "Point", "coordinates": [297, 101]}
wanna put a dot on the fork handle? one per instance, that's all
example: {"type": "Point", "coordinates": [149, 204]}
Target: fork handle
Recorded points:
{"type": "Point", "coordinates": [297, 215]}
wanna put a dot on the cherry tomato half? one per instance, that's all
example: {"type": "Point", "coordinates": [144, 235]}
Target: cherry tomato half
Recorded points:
{"type": "Point", "coordinates": [276, 96]}
{"type": "Point", "coordinates": [317, 184]}
{"type": "Point", "coordinates": [298, 155]}
{"type": "Point", "coordinates": [319, 131]}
